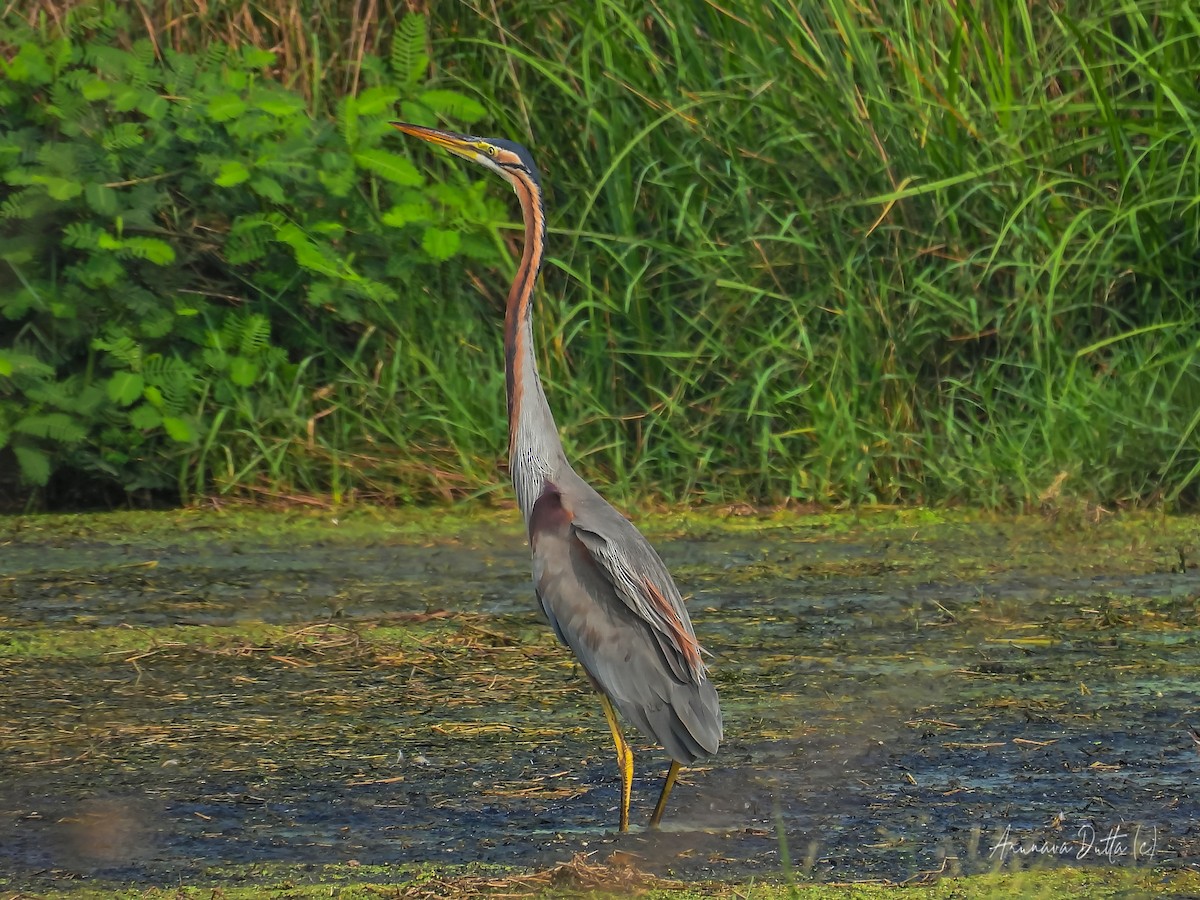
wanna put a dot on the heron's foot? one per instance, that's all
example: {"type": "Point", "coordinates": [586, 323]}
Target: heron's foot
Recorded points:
{"type": "Point", "coordinates": [668, 783]}
{"type": "Point", "coordinates": [624, 760]}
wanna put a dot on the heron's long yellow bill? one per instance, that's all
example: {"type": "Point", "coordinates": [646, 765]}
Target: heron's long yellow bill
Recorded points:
{"type": "Point", "coordinates": [458, 144]}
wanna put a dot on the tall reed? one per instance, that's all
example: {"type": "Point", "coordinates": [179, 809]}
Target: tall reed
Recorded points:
{"type": "Point", "coordinates": [846, 251]}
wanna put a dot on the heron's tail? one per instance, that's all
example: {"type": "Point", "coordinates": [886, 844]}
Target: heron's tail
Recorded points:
{"type": "Point", "coordinates": [687, 722]}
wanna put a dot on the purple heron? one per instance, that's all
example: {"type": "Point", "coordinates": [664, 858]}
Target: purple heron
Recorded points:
{"type": "Point", "coordinates": [604, 589]}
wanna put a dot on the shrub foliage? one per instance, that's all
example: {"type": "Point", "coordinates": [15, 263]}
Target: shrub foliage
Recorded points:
{"type": "Point", "coordinates": [189, 253]}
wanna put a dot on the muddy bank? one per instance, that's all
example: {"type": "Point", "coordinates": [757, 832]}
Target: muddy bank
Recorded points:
{"type": "Point", "coordinates": [904, 694]}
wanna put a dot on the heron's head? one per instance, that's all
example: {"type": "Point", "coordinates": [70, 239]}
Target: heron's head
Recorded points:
{"type": "Point", "coordinates": [505, 157]}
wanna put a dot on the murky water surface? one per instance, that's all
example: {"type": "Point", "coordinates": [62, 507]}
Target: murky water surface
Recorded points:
{"type": "Point", "coordinates": [902, 696]}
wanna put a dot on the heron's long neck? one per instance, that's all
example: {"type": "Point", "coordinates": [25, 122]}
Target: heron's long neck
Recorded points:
{"type": "Point", "coordinates": [534, 449]}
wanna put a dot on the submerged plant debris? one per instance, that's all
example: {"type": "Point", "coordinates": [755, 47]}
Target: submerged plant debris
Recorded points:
{"type": "Point", "coordinates": [907, 695]}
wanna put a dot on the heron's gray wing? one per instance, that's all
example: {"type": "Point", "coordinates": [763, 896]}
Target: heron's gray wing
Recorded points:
{"type": "Point", "coordinates": [641, 581]}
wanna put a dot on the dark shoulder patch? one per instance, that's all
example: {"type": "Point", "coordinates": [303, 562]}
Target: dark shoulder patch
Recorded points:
{"type": "Point", "coordinates": [548, 514]}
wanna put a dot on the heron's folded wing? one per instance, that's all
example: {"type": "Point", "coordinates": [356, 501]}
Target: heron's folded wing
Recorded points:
{"type": "Point", "coordinates": [643, 584]}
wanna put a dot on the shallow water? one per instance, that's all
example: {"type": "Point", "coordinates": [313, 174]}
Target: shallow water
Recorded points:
{"type": "Point", "coordinates": [903, 695]}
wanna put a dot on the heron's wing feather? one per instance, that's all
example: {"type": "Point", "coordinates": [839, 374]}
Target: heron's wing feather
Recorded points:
{"type": "Point", "coordinates": [641, 581]}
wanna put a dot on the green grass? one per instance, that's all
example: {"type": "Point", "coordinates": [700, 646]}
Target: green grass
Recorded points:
{"type": "Point", "coordinates": [863, 252]}
{"type": "Point", "coordinates": [833, 253]}
{"type": "Point", "coordinates": [372, 882]}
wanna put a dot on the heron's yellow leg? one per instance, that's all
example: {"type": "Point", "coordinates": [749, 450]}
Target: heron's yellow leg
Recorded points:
{"type": "Point", "coordinates": [668, 783]}
{"type": "Point", "coordinates": [624, 759]}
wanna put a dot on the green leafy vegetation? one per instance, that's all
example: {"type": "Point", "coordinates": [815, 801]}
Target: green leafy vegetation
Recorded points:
{"type": "Point", "coordinates": [877, 252]}
{"type": "Point", "coordinates": [190, 256]}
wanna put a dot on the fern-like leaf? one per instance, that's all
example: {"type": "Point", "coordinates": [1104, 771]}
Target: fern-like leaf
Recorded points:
{"type": "Point", "coordinates": [214, 55]}
{"type": "Point", "coordinates": [150, 249]}
{"type": "Point", "coordinates": [82, 235]}
{"type": "Point", "coordinates": [25, 204]}
{"type": "Point", "coordinates": [68, 108]}
{"type": "Point", "coordinates": [14, 364]}
{"type": "Point", "coordinates": [172, 377]}
{"type": "Point", "coordinates": [453, 104]}
{"type": "Point", "coordinates": [107, 60]}
{"type": "Point", "coordinates": [122, 136]}
{"type": "Point", "coordinates": [256, 335]}
{"type": "Point", "coordinates": [123, 348]}
{"type": "Point", "coordinates": [181, 74]}
{"type": "Point", "coordinates": [142, 63]}
{"type": "Point", "coordinates": [57, 427]}
{"type": "Point", "coordinates": [348, 121]}
{"type": "Point", "coordinates": [249, 236]}
{"type": "Point", "coordinates": [59, 157]}
{"type": "Point", "coordinates": [34, 465]}
{"type": "Point", "coordinates": [408, 58]}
